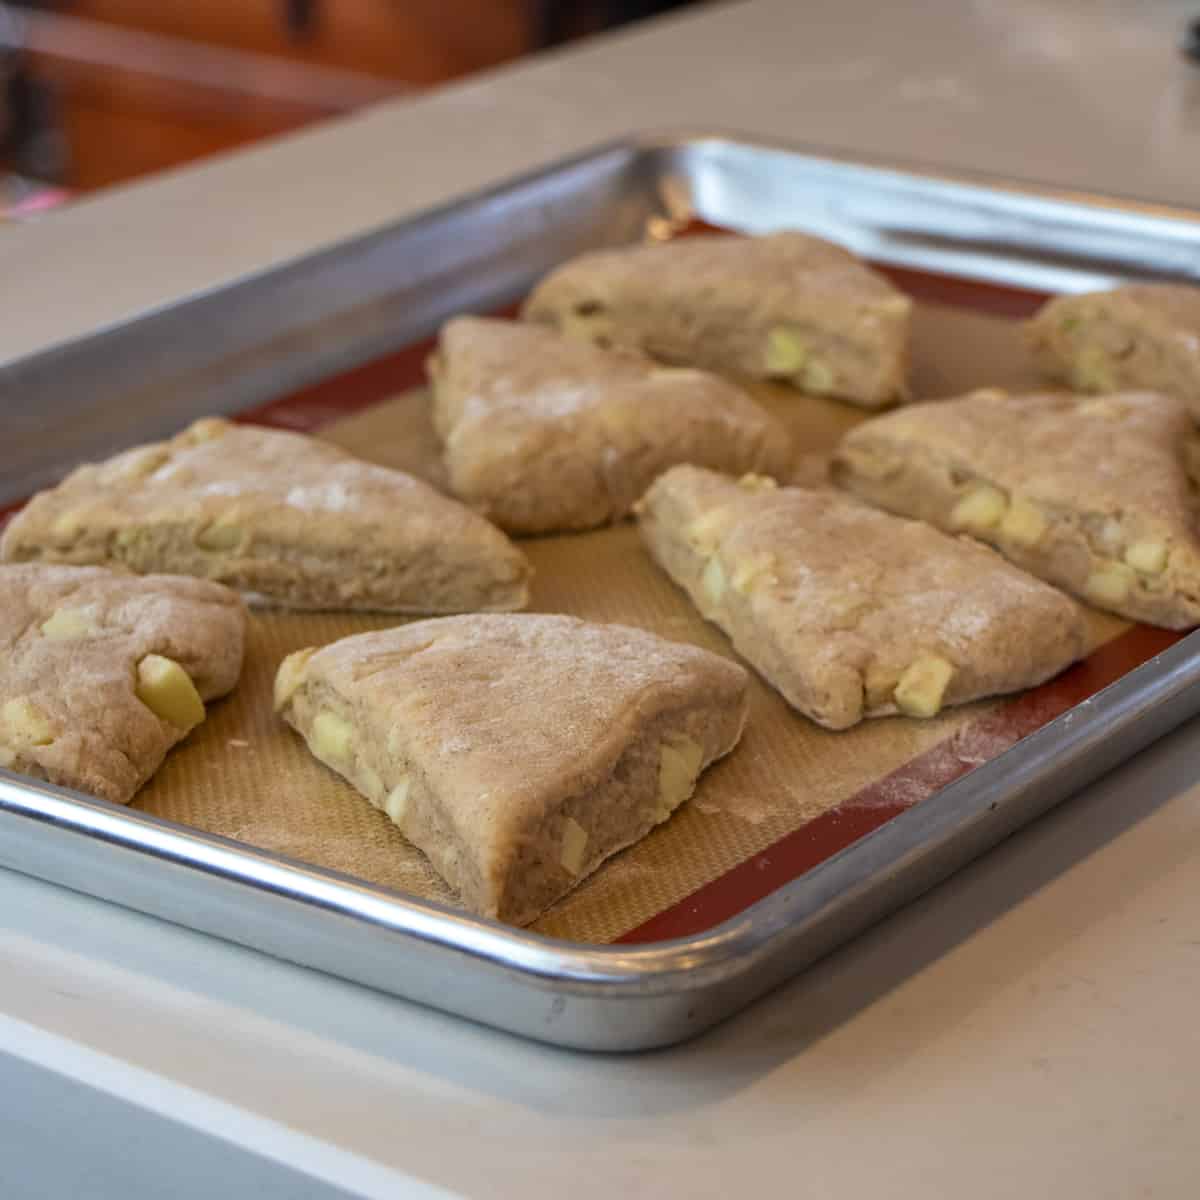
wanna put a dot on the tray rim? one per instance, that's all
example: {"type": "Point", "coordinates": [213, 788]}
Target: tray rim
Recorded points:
{"type": "Point", "coordinates": [638, 147]}
{"type": "Point", "coordinates": [690, 964]}
{"type": "Point", "coordinates": [684, 138]}
{"type": "Point", "coordinates": [580, 965]}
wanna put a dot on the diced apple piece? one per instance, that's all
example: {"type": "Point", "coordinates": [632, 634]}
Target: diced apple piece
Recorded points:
{"type": "Point", "coordinates": [678, 769]}
{"type": "Point", "coordinates": [1110, 535]}
{"type": "Point", "coordinates": [207, 430]}
{"type": "Point", "coordinates": [757, 483]}
{"type": "Point", "coordinates": [167, 690]}
{"type": "Point", "coordinates": [1148, 557]}
{"type": "Point", "coordinates": [873, 462]}
{"type": "Point", "coordinates": [290, 675]}
{"type": "Point", "coordinates": [1109, 584]}
{"type": "Point", "coordinates": [24, 724]}
{"type": "Point", "coordinates": [754, 571]}
{"type": "Point", "coordinates": [819, 379]}
{"type": "Point", "coordinates": [135, 464]}
{"type": "Point", "coordinates": [332, 737]}
{"type": "Point", "coordinates": [785, 353]}
{"type": "Point", "coordinates": [396, 803]}
{"type": "Point", "coordinates": [68, 625]}
{"type": "Point", "coordinates": [574, 846]}
{"type": "Point", "coordinates": [368, 781]}
{"type": "Point", "coordinates": [922, 686]}
{"type": "Point", "coordinates": [713, 581]}
{"type": "Point", "coordinates": [706, 531]}
{"type": "Point", "coordinates": [219, 536]}
{"type": "Point", "coordinates": [1023, 523]}
{"type": "Point", "coordinates": [981, 509]}
{"type": "Point", "coordinates": [67, 526]}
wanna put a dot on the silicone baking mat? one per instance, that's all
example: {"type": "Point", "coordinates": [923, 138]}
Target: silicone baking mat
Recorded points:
{"type": "Point", "coordinates": [790, 796]}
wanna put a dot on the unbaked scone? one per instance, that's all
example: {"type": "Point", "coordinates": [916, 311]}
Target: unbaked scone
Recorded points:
{"type": "Point", "coordinates": [850, 612]}
{"type": "Point", "coordinates": [1142, 335]}
{"type": "Point", "coordinates": [292, 520]}
{"type": "Point", "coordinates": [102, 672]}
{"type": "Point", "coordinates": [517, 752]}
{"type": "Point", "coordinates": [1090, 494]}
{"type": "Point", "coordinates": [787, 307]}
{"type": "Point", "coordinates": [544, 433]}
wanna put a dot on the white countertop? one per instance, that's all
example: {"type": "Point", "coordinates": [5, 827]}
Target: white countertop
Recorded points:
{"type": "Point", "coordinates": [1033, 1019]}
{"type": "Point", "coordinates": [1027, 1028]}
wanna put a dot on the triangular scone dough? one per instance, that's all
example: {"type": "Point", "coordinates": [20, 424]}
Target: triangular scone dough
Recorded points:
{"type": "Point", "coordinates": [1089, 494]}
{"type": "Point", "coordinates": [1143, 335]}
{"type": "Point", "coordinates": [293, 520]}
{"type": "Point", "coordinates": [101, 672]}
{"type": "Point", "coordinates": [786, 307]}
{"type": "Point", "coordinates": [848, 611]}
{"type": "Point", "coordinates": [545, 433]}
{"type": "Point", "coordinates": [518, 752]}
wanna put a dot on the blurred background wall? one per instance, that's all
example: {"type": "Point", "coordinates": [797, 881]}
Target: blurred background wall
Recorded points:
{"type": "Point", "coordinates": [96, 92]}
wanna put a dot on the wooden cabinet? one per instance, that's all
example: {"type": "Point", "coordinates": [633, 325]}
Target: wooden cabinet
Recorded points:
{"type": "Point", "coordinates": [139, 85]}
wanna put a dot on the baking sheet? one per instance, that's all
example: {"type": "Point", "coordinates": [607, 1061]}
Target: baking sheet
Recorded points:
{"type": "Point", "coordinates": [247, 776]}
{"type": "Point", "coordinates": [343, 324]}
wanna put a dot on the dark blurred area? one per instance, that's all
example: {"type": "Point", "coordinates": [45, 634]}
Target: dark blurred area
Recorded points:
{"type": "Point", "coordinates": [96, 92]}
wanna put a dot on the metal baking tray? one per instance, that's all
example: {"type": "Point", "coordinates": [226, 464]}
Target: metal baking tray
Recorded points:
{"type": "Point", "coordinates": [351, 303]}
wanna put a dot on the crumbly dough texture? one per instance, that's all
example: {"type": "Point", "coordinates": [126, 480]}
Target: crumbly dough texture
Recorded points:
{"type": "Point", "coordinates": [102, 672]}
{"type": "Point", "coordinates": [1142, 335]}
{"type": "Point", "coordinates": [786, 307]}
{"type": "Point", "coordinates": [1090, 494]}
{"type": "Point", "coordinates": [290, 519]}
{"type": "Point", "coordinates": [517, 752]}
{"type": "Point", "coordinates": [544, 433]}
{"type": "Point", "coordinates": [850, 612]}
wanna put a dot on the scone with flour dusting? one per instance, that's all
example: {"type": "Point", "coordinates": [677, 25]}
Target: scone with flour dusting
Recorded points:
{"type": "Point", "coordinates": [850, 612]}
{"type": "Point", "coordinates": [102, 672]}
{"type": "Point", "coordinates": [1090, 494]}
{"type": "Point", "coordinates": [544, 433]}
{"type": "Point", "coordinates": [290, 519]}
{"type": "Point", "coordinates": [517, 751]}
{"type": "Point", "coordinates": [1142, 335]}
{"type": "Point", "coordinates": [787, 306]}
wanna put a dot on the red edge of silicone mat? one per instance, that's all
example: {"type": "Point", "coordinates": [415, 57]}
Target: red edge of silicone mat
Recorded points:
{"type": "Point", "coordinates": [879, 802]}
{"type": "Point", "coordinates": [308, 409]}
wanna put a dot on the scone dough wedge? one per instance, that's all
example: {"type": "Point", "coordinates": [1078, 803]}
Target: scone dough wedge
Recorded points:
{"type": "Point", "coordinates": [1090, 494]}
{"type": "Point", "coordinates": [295, 521]}
{"type": "Point", "coordinates": [102, 672]}
{"type": "Point", "coordinates": [517, 752]}
{"type": "Point", "coordinates": [787, 307]}
{"type": "Point", "coordinates": [850, 612]}
{"type": "Point", "coordinates": [544, 433]}
{"type": "Point", "coordinates": [1140, 336]}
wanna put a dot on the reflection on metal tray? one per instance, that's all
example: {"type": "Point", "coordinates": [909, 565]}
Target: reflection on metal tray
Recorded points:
{"type": "Point", "coordinates": [351, 304]}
